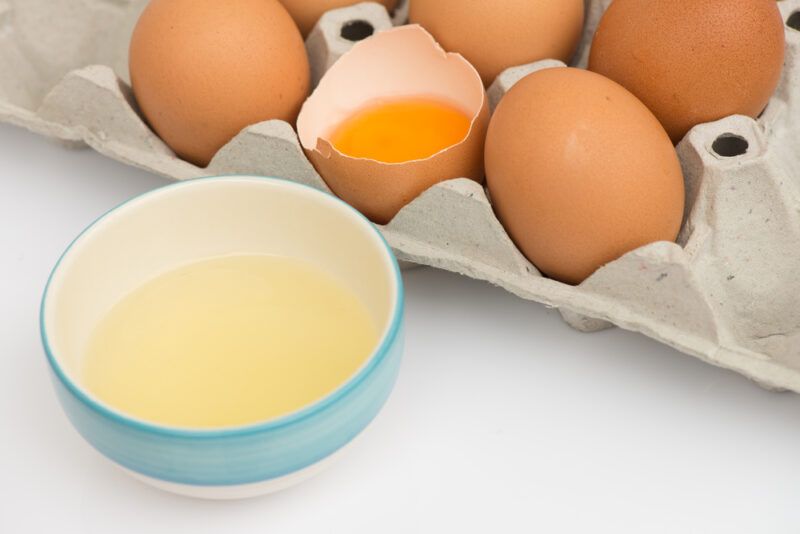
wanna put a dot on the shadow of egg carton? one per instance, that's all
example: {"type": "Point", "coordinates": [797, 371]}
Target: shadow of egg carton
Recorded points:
{"type": "Point", "coordinates": [728, 292]}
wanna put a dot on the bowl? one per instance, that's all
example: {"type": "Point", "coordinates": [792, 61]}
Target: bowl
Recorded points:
{"type": "Point", "coordinates": [195, 220]}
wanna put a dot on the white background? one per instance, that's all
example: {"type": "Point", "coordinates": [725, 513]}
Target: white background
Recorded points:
{"type": "Point", "coordinates": [504, 419]}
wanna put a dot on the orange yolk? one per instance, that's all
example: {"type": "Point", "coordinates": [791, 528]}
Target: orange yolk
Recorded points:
{"type": "Point", "coordinates": [401, 131]}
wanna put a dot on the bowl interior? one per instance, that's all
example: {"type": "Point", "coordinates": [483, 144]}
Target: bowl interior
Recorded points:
{"type": "Point", "coordinates": [206, 218]}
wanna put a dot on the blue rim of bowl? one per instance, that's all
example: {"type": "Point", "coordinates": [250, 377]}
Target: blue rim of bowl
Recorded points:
{"type": "Point", "coordinates": [378, 355]}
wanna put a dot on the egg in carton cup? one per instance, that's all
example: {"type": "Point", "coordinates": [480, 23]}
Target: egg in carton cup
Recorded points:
{"type": "Point", "coordinates": [727, 292]}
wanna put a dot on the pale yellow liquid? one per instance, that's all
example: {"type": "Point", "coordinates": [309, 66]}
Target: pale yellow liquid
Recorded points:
{"type": "Point", "coordinates": [227, 342]}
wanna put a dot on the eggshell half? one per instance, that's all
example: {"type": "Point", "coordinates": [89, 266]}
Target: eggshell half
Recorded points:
{"type": "Point", "coordinates": [391, 65]}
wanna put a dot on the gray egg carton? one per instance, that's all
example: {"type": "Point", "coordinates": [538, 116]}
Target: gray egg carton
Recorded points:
{"type": "Point", "coordinates": [728, 292]}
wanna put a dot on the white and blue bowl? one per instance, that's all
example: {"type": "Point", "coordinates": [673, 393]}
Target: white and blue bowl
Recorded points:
{"type": "Point", "coordinates": [200, 219]}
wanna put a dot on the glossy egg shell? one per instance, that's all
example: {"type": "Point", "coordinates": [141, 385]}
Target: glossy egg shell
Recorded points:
{"type": "Point", "coordinates": [202, 70]}
{"type": "Point", "coordinates": [580, 172]}
{"type": "Point", "coordinates": [692, 61]}
{"type": "Point", "coordinates": [496, 34]}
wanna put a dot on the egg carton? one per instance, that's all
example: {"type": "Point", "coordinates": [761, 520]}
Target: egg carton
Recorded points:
{"type": "Point", "coordinates": [728, 292]}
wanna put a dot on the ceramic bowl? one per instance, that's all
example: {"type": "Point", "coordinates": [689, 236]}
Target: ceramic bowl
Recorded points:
{"type": "Point", "coordinates": [195, 220]}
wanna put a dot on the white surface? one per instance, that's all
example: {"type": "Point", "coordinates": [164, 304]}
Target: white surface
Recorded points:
{"type": "Point", "coordinates": [504, 419]}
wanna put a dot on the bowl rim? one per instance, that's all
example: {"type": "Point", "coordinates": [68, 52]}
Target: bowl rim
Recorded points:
{"type": "Point", "coordinates": [380, 353]}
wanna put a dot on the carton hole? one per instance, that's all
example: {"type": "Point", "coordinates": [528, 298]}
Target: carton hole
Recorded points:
{"type": "Point", "coordinates": [794, 21]}
{"type": "Point", "coordinates": [357, 30]}
{"type": "Point", "coordinates": [730, 145]}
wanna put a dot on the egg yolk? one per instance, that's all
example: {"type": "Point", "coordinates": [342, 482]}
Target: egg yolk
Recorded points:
{"type": "Point", "coordinates": [401, 131]}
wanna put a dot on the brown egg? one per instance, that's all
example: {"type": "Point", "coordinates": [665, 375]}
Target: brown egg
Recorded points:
{"type": "Point", "coordinates": [496, 34]}
{"type": "Point", "coordinates": [692, 62]}
{"type": "Point", "coordinates": [307, 12]}
{"type": "Point", "coordinates": [202, 70]}
{"type": "Point", "coordinates": [404, 63]}
{"type": "Point", "coordinates": [580, 172]}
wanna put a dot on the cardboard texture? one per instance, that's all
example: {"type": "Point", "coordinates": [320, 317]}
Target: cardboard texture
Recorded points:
{"type": "Point", "coordinates": [728, 292]}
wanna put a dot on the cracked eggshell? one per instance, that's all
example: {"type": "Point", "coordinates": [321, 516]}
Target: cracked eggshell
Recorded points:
{"type": "Point", "coordinates": [306, 13]}
{"type": "Point", "coordinates": [403, 62]}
